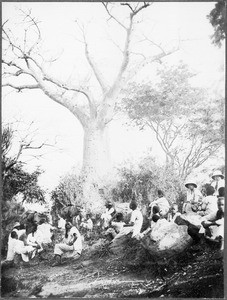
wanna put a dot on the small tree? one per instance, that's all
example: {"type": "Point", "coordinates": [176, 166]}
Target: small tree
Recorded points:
{"type": "Point", "coordinates": [188, 126]}
{"type": "Point", "coordinates": [15, 181]}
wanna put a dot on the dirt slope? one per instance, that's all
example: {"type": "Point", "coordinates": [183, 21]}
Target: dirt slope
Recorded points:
{"type": "Point", "coordinates": [98, 273]}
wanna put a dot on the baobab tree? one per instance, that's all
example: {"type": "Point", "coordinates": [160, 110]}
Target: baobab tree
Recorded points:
{"type": "Point", "coordinates": [22, 58]}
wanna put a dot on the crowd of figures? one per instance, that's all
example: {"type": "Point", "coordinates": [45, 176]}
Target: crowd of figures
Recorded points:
{"type": "Point", "coordinates": [202, 212]}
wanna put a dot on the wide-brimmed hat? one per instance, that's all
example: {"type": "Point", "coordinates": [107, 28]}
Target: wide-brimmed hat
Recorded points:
{"type": "Point", "coordinates": [192, 182]}
{"type": "Point", "coordinates": [16, 224]}
{"type": "Point", "coordinates": [218, 173]}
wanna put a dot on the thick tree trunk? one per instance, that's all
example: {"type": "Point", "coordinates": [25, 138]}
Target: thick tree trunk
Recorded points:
{"type": "Point", "coordinates": [96, 164]}
{"type": "Point", "coordinates": [96, 159]}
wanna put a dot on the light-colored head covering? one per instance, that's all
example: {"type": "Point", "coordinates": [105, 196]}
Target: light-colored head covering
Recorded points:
{"type": "Point", "coordinates": [218, 173]}
{"type": "Point", "coordinates": [192, 182]}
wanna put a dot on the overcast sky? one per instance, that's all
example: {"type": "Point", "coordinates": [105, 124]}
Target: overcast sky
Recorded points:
{"type": "Point", "coordinates": [165, 22]}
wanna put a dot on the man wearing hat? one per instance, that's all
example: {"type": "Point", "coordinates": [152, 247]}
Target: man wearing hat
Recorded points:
{"type": "Point", "coordinates": [218, 181]}
{"type": "Point", "coordinates": [193, 197]}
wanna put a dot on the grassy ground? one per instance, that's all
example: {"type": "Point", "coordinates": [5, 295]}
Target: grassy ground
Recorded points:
{"type": "Point", "coordinates": [98, 273]}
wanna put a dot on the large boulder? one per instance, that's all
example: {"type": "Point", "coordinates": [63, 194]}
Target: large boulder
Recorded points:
{"type": "Point", "coordinates": [166, 240]}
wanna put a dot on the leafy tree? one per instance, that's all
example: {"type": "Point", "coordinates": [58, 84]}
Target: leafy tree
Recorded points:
{"type": "Point", "coordinates": [217, 18]}
{"type": "Point", "coordinates": [15, 181]}
{"type": "Point", "coordinates": [188, 126]}
{"type": "Point", "coordinates": [14, 178]}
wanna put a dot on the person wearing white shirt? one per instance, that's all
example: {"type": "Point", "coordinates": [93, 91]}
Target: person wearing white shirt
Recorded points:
{"type": "Point", "coordinates": [160, 206]}
{"type": "Point", "coordinates": [214, 223]}
{"type": "Point", "coordinates": [209, 203]}
{"type": "Point", "coordinates": [218, 181]}
{"type": "Point", "coordinates": [136, 219]}
{"type": "Point", "coordinates": [47, 231]}
{"type": "Point", "coordinates": [35, 239]}
{"type": "Point", "coordinates": [194, 196]}
{"type": "Point", "coordinates": [10, 250]}
{"type": "Point", "coordinates": [72, 244]}
{"type": "Point", "coordinates": [107, 216]}
{"type": "Point", "coordinates": [18, 247]}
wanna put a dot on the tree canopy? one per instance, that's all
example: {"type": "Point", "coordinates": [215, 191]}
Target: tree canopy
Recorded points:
{"type": "Point", "coordinates": [188, 125]}
{"type": "Point", "coordinates": [15, 179]}
{"type": "Point", "coordinates": [217, 18]}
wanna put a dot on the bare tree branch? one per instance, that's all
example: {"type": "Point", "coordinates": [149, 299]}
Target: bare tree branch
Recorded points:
{"type": "Point", "coordinates": [34, 23]}
{"type": "Point", "coordinates": [19, 88]}
{"type": "Point", "coordinates": [105, 4]}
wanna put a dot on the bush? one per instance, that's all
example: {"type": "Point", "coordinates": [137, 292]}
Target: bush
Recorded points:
{"type": "Point", "coordinates": [142, 182]}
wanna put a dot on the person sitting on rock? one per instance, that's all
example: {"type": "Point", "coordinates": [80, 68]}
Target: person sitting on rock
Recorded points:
{"type": "Point", "coordinates": [71, 246]}
{"type": "Point", "coordinates": [160, 206]}
{"type": "Point", "coordinates": [218, 181]}
{"type": "Point", "coordinates": [20, 248]}
{"type": "Point", "coordinates": [174, 213]}
{"type": "Point", "coordinates": [209, 203]}
{"type": "Point", "coordinates": [214, 223]}
{"type": "Point", "coordinates": [194, 196]}
{"type": "Point", "coordinates": [107, 216]}
{"type": "Point", "coordinates": [136, 220]}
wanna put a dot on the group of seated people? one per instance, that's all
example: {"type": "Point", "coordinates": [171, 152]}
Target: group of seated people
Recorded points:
{"type": "Point", "coordinates": [29, 244]}
{"type": "Point", "coordinates": [209, 208]}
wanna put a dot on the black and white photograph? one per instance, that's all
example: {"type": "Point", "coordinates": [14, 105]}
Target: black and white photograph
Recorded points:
{"type": "Point", "coordinates": [113, 149]}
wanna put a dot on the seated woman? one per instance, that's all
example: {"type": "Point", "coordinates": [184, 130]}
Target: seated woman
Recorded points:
{"type": "Point", "coordinates": [71, 246]}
